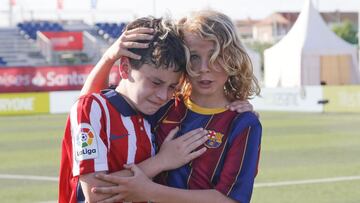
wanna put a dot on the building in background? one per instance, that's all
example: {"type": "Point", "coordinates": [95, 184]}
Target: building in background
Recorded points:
{"type": "Point", "coordinates": [274, 27]}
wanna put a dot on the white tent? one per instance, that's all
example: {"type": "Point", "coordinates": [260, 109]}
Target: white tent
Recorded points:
{"type": "Point", "coordinates": [256, 62]}
{"type": "Point", "coordinates": [310, 54]}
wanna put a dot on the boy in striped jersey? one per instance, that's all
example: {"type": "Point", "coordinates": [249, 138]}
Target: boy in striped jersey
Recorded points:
{"type": "Point", "coordinates": [105, 131]}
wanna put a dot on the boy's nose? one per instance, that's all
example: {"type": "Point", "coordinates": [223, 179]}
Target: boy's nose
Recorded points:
{"type": "Point", "coordinates": [204, 67]}
{"type": "Point", "coordinates": [162, 94]}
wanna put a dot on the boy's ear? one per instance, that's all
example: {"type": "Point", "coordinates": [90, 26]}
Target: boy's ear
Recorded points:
{"type": "Point", "coordinates": [124, 67]}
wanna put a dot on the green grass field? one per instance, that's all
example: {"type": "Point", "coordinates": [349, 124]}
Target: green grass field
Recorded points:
{"type": "Point", "coordinates": [295, 147]}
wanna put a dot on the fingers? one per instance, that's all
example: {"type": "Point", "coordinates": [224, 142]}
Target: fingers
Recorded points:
{"type": "Point", "coordinates": [136, 37]}
{"type": "Point", "coordinates": [134, 169]}
{"type": "Point", "coordinates": [191, 133]}
{"type": "Point", "coordinates": [109, 178]}
{"type": "Point", "coordinates": [132, 39]}
{"type": "Point", "coordinates": [240, 106]}
{"type": "Point", "coordinates": [129, 45]}
{"type": "Point", "coordinates": [191, 146]}
{"type": "Point", "coordinates": [137, 34]}
{"type": "Point", "coordinates": [140, 30]}
{"type": "Point", "coordinates": [124, 46]}
{"type": "Point", "coordinates": [116, 198]}
{"type": "Point", "coordinates": [171, 134]}
{"type": "Point", "coordinates": [106, 190]}
{"type": "Point", "coordinates": [196, 136]}
{"type": "Point", "coordinates": [131, 55]}
{"type": "Point", "coordinates": [197, 153]}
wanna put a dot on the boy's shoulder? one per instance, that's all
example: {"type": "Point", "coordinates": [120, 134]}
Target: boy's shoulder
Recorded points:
{"type": "Point", "coordinates": [90, 97]}
{"type": "Point", "coordinates": [248, 118]}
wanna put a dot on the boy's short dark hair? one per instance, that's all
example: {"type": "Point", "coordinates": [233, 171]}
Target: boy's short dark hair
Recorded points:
{"type": "Point", "coordinates": [165, 50]}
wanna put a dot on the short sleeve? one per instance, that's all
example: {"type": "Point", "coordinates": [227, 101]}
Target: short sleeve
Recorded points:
{"type": "Point", "coordinates": [88, 136]}
{"type": "Point", "coordinates": [241, 162]}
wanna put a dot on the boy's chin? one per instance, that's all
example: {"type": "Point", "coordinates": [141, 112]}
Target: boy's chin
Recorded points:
{"type": "Point", "coordinates": [150, 111]}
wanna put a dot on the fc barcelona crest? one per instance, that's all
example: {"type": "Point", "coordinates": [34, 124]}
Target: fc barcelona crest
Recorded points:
{"type": "Point", "coordinates": [215, 139]}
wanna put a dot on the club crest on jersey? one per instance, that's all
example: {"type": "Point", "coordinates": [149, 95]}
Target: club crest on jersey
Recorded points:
{"type": "Point", "coordinates": [215, 139]}
{"type": "Point", "coordinates": [85, 143]}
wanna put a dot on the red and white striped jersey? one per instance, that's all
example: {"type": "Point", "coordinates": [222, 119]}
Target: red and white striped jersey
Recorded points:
{"type": "Point", "coordinates": [103, 132]}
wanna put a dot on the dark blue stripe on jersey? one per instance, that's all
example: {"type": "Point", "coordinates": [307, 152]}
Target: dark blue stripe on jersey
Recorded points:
{"type": "Point", "coordinates": [121, 105]}
{"type": "Point", "coordinates": [245, 120]}
{"type": "Point", "coordinates": [177, 179]}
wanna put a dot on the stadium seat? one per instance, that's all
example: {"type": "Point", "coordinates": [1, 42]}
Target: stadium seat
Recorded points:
{"type": "Point", "coordinates": [109, 31]}
{"type": "Point", "coordinates": [2, 62]}
{"type": "Point", "coordinates": [29, 29]}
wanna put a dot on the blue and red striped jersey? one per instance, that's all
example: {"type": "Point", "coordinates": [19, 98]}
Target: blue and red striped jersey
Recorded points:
{"type": "Point", "coordinates": [230, 163]}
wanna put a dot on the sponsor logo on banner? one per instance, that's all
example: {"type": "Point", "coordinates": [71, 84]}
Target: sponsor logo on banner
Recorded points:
{"type": "Point", "coordinates": [24, 103]}
{"type": "Point", "coordinates": [85, 143]}
{"type": "Point", "coordinates": [17, 104]}
{"type": "Point", "coordinates": [342, 98]}
{"type": "Point", "coordinates": [65, 40]}
{"type": "Point", "coordinates": [31, 79]}
{"type": "Point", "coordinates": [39, 80]}
{"type": "Point", "coordinates": [289, 99]}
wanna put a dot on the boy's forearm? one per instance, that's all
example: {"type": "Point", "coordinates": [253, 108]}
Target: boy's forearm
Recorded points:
{"type": "Point", "coordinates": [151, 167]}
{"type": "Point", "coordinates": [87, 182]}
{"type": "Point", "coordinates": [98, 77]}
{"type": "Point", "coordinates": [161, 194]}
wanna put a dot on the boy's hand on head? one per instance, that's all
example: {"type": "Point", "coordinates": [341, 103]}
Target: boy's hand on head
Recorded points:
{"type": "Point", "coordinates": [179, 151]}
{"type": "Point", "coordinates": [128, 40]}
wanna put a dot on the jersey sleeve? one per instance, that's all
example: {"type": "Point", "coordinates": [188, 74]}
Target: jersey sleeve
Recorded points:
{"type": "Point", "coordinates": [241, 162]}
{"type": "Point", "coordinates": [88, 136]}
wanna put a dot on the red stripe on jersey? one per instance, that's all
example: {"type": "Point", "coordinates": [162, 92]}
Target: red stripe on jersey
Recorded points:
{"type": "Point", "coordinates": [172, 118]}
{"type": "Point", "coordinates": [67, 183]}
{"type": "Point", "coordinates": [233, 166]}
{"type": "Point", "coordinates": [119, 136]}
{"type": "Point", "coordinates": [204, 167]}
{"type": "Point", "coordinates": [143, 143]}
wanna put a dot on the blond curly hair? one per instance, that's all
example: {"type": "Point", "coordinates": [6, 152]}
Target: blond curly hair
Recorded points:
{"type": "Point", "coordinates": [229, 53]}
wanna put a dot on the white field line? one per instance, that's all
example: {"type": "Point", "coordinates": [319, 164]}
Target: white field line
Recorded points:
{"type": "Point", "coordinates": [305, 182]}
{"type": "Point", "coordinates": [256, 185]}
{"type": "Point", "coordinates": [27, 177]}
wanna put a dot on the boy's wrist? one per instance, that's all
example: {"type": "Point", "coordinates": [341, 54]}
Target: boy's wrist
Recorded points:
{"type": "Point", "coordinates": [152, 166]}
{"type": "Point", "coordinates": [108, 59]}
{"type": "Point", "coordinates": [159, 163]}
{"type": "Point", "coordinates": [152, 193]}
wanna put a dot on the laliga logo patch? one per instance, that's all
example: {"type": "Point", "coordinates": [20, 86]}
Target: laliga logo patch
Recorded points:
{"type": "Point", "coordinates": [215, 139]}
{"type": "Point", "coordinates": [85, 146]}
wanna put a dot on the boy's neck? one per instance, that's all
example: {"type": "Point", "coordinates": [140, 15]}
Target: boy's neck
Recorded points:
{"type": "Point", "coordinates": [123, 91]}
{"type": "Point", "coordinates": [209, 102]}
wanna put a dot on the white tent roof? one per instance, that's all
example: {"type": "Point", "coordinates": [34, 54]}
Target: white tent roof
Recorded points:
{"type": "Point", "coordinates": [309, 36]}
{"type": "Point", "coordinates": [256, 62]}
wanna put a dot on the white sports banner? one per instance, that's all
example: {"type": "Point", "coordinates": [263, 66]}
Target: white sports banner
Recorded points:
{"type": "Point", "coordinates": [62, 101]}
{"type": "Point", "coordinates": [306, 99]}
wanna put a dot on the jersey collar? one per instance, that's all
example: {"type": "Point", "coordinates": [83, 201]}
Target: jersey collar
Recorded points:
{"type": "Point", "coordinates": [120, 104]}
{"type": "Point", "coordinates": [202, 110]}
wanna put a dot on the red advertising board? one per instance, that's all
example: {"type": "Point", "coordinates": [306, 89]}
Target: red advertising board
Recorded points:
{"type": "Point", "coordinates": [34, 79]}
{"type": "Point", "coordinates": [64, 41]}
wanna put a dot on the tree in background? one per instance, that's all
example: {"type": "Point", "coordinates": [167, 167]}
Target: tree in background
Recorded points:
{"type": "Point", "coordinates": [260, 47]}
{"type": "Point", "coordinates": [346, 31]}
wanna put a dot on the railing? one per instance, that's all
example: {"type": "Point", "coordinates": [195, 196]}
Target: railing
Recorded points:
{"type": "Point", "coordinates": [91, 46]}
{"type": "Point", "coordinates": [45, 47]}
